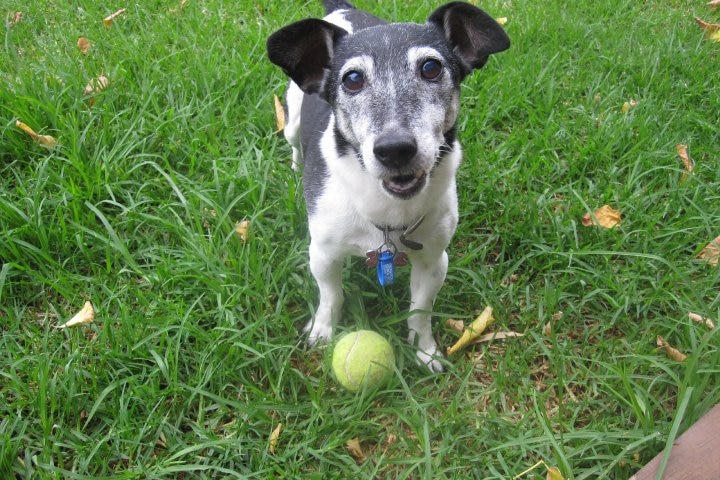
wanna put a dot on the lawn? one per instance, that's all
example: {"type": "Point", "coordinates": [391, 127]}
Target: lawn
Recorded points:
{"type": "Point", "coordinates": [195, 356]}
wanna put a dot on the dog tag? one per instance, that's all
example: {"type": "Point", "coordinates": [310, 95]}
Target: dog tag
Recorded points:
{"type": "Point", "coordinates": [400, 259]}
{"type": "Point", "coordinates": [385, 268]}
{"type": "Point", "coordinates": [371, 258]}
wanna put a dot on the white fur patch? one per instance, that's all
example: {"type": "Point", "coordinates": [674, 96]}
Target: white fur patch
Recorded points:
{"type": "Point", "coordinates": [338, 18]}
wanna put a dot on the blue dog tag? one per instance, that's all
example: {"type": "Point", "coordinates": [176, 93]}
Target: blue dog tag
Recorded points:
{"type": "Point", "coordinates": [386, 268]}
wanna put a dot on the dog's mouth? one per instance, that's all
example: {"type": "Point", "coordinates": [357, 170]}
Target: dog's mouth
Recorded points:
{"type": "Point", "coordinates": [405, 186]}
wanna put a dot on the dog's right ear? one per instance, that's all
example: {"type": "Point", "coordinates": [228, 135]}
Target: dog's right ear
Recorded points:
{"type": "Point", "coordinates": [304, 50]}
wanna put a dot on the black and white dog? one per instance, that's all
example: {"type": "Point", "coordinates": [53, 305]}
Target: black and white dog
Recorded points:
{"type": "Point", "coordinates": [372, 112]}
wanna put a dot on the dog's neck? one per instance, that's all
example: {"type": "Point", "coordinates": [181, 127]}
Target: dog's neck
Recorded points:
{"type": "Point", "coordinates": [406, 230]}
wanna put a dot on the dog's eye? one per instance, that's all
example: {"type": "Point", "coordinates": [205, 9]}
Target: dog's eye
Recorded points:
{"type": "Point", "coordinates": [431, 69]}
{"type": "Point", "coordinates": [353, 81]}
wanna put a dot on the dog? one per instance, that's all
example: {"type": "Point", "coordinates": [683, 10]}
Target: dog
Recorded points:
{"type": "Point", "coordinates": [372, 113]}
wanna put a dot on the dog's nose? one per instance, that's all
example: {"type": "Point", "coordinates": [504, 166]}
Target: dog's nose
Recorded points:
{"type": "Point", "coordinates": [395, 148]}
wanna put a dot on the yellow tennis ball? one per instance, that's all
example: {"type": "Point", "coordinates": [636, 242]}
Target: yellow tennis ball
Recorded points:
{"type": "Point", "coordinates": [362, 358]}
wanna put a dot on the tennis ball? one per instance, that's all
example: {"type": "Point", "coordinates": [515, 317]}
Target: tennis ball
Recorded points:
{"type": "Point", "coordinates": [362, 358]}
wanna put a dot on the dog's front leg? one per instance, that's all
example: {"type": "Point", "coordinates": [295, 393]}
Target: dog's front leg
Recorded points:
{"type": "Point", "coordinates": [327, 270]}
{"type": "Point", "coordinates": [426, 279]}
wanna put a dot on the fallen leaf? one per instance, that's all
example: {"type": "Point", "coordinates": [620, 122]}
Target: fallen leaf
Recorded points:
{"type": "Point", "coordinates": [714, 4]}
{"type": "Point", "coordinates": [473, 331]}
{"type": "Point", "coordinates": [44, 140]}
{"type": "Point", "coordinates": [84, 45]}
{"type": "Point", "coordinates": [274, 438]}
{"type": "Point", "coordinates": [702, 320]}
{"type": "Point", "coordinates": [354, 448]}
{"type": "Point", "coordinates": [96, 85]}
{"type": "Point", "coordinates": [553, 473]}
{"type": "Point", "coordinates": [489, 337]}
{"type": "Point", "coordinates": [108, 21]}
{"type": "Point", "coordinates": [547, 329]}
{"type": "Point", "coordinates": [712, 30]}
{"type": "Point", "coordinates": [711, 252]}
{"type": "Point", "coordinates": [183, 4]}
{"type": "Point", "coordinates": [501, 20]}
{"type": "Point", "coordinates": [687, 161]}
{"type": "Point", "coordinates": [672, 353]}
{"type": "Point", "coordinates": [605, 216]}
{"type": "Point", "coordinates": [84, 316]}
{"type": "Point", "coordinates": [457, 325]}
{"type": "Point", "coordinates": [390, 440]}
{"type": "Point", "coordinates": [628, 105]}
{"type": "Point", "coordinates": [279, 114]}
{"type": "Point", "coordinates": [15, 20]}
{"type": "Point", "coordinates": [243, 229]}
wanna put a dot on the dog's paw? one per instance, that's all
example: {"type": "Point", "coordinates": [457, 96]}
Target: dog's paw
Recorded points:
{"type": "Point", "coordinates": [317, 333]}
{"type": "Point", "coordinates": [430, 360]}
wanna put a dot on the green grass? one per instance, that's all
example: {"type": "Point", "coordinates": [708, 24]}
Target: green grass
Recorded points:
{"type": "Point", "coordinates": [194, 357]}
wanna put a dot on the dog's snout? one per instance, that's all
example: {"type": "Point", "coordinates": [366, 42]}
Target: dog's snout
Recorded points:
{"type": "Point", "coordinates": [395, 148]}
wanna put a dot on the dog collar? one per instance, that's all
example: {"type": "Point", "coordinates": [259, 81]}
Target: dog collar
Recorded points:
{"type": "Point", "coordinates": [412, 245]}
{"type": "Point", "coordinates": [386, 257]}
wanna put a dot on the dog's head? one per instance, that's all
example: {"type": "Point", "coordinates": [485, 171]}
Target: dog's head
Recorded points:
{"type": "Point", "coordinates": [393, 89]}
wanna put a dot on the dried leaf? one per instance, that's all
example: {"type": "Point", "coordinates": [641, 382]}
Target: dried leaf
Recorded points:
{"type": "Point", "coordinates": [605, 216]}
{"type": "Point", "coordinates": [712, 30]}
{"type": "Point", "coordinates": [687, 161]}
{"type": "Point", "coordinates": [702, 320]}
{"type": "Point", "coordinates": [547, 329]}
{"type": "Point", "coordinates": [671, 352]}
{"type": "Point", "coordinates": [84, 45]}
{"type": "Point", "coordinates": [711, 252]}
{"type": "Point", "coordinates": [108, 21]}
{"type": "Point", "coordinates": [243, 229]}
{"type": "Point", "coordinates": [274, 438]}
{"type": "Point", "coordinates": [96, 85]}
{"type": "Point", "coordinates": [183, 4]}
{"type": "Point", "coordinates": [473, 331]}
{"type": "Point", "coordinates": [501, 20]}
{"type": "Point", "coordinates": [553, 473]}
{"type": "Point", "coordinates": [279, 114]}
{"type": "Point", "coordinates": [354, 448]}
{"type": "Point", "coordinates": [44, 140]}
{"type": "Point", "coordinates": [489, 337]}
{"type": "Point", "coordinates": [714, 4]}
{"type": "Point", "coordinates": [628, 105]}
{"type": "Point", "coordinates": [457, 325]}
{"type": "Point", "coordinates": [16, 19]}
{"type": "Point", "coordinates": [84, 316]}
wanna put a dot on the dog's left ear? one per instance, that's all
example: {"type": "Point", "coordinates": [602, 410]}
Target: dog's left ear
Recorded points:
{"type": "Point", "coordinates": [473, 34]}
{"type": "Point", "coordinates": [304, 50]}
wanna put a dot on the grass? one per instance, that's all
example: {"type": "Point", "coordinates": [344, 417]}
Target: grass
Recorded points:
{"type": "Point", "coordinates": [194, 357]}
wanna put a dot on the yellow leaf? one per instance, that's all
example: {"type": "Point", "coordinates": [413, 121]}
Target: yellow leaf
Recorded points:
{"type": "Point", "coordinates": [711, 252]}
{"type": "Point", "coordinates": [473, 331]}
{"type": "Point", "coordinates": [605, 216]}
{"type": "Point", "coordinates": [243, 229]}
{"type": "Point", "coordinates": [274, 438]}
{"type": "Point", "coordinates": [672, 353]}
{"type": "Point", "coordinates": [353, 446]}
{"type": "Point", "coordinates": [279, 114]}
{"type": "Point", "coordinates": [84, 316]}
{"type": "Point", "coordinates": [553, 473]}
{"type": "Point", "coordinates": [96, 85]}
{"type": "Point", "coordinates": [44, 140]}
{"type": "Point", "coordinates": [687, 161]}
{"type": "Point", "coordinates": [712, 30]}
{"type": "Point", "coordinates": [702, 320]}
{"type": "Point", "coordinates": [108, 21]}
{"type": "Point", "coordinates": [628, 105]}
{"type": "Point", "coordinates": [84, 45]}
{"type": "Point", "coordinates": [501, 20]}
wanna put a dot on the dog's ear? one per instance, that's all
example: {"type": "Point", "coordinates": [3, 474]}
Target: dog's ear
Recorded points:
{"type": "Point", "coordinates": [304, 50]}
{"type": "Point", "coordinates": [473, 34]}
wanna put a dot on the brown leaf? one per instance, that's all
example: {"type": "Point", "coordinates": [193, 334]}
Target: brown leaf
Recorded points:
{"type": "Point", "coordinates": [712, 30]}
{"type": "Point", "coordinates": [687, 161]}
{"type": "Point", "coordinates": [354, 448]}
{"type": "Point", "coordinates": [243, 230]}
{"type": "Point", "coordinates": [670, 351]}
{"type": "Point", "coordinates": [275, 438]}
{"type": "Point", "coordinates": [108, 21]}
{"type": "Point", "coordinates": [457, 325]}
{"type": "Point", "coordinates": [711, 252]}
{"type": "Point", "coordinates": [96, 85]}
{"type": "Point", "coordinates": [279, 114]}
{"type": "Point", "coordinates": [16, 19]}
{"type": "Point", "coordinates": [605, 216]}
{"type": "Point", "coordinates": [84, 316]}
{"type": "Point", "coordinates": [502, 335]}
{"type": "Point", "coordinates": [702, 320]}
{"type": "Point", "coordinates": [84, 45]}
{"type": "Point", "coordinates": [714, 4]}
